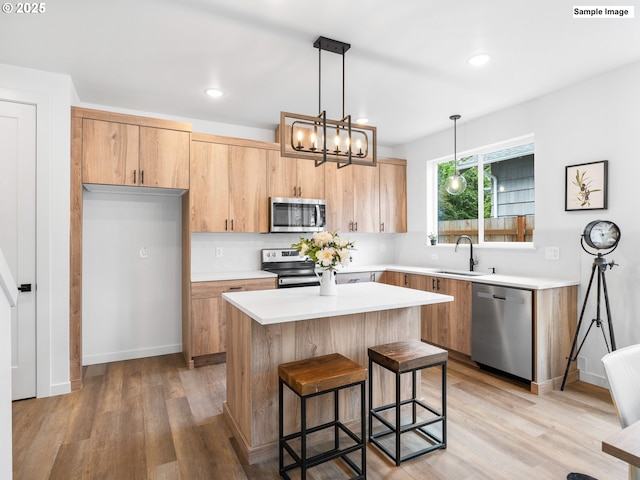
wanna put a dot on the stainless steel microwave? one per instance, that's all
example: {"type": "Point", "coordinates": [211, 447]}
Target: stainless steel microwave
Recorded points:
{"type": "Point", "coordinates": [297, 215]}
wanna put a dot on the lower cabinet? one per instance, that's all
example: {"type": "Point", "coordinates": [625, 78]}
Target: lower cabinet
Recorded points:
{"type": "Point", "coordinates": [447, 325]}
{"type": "Point", "coordinates": [207, 320]}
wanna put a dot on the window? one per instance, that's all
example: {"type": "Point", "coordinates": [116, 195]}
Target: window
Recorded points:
{"type": "Point", "coordinates": [498, 204]}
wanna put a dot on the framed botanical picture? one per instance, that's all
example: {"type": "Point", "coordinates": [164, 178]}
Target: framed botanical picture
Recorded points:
{"type": "Point", "coordinates": [586, 186]}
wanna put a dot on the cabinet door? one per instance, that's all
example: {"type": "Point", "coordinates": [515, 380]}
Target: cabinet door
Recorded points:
{"type": "Point", "coordinates": [366, 186]}
{"type": "Point", "coordinates": [310, 179]}
{"type": "Point", "coordinates": [208, 309]}
{"type": "Point", "coordinates": [393, 278]}
{"type": "Point", "coordinates": [339, 194]}
{"type": "Point", "coordinates": [248, 209]}
{"type": "Point", "coordinates": [110, 152]}
{"type": "Point", "coordinates": [393, 198]}
{"type": "Point", "coordinates": [209, 187]}
{"type": "Point", "coordinates": [208, 330]}
{"type": "Point", "coordinates": [449, 324]}
{"type": "Point", "coordinates": [164, 158]}
{"type": "Point", "coordinates": [282, 175]}
{"type": "Point", "coordinates": [459, 314]}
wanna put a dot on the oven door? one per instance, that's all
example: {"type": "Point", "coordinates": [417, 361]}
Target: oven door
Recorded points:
{"type": "Point", "coordinates": [297, 215]}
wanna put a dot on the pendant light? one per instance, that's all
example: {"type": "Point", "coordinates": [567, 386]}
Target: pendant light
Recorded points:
{"type": "Point", "coordinates": [456, 183]}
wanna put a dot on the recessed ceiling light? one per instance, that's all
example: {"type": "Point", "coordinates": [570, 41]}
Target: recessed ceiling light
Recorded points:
{"type": "Point", "coordinates": [362, 121]}
{"type": "Point", "coordinates": [480, 59]}
{"type": "Point", "coordinates": [213, 92]}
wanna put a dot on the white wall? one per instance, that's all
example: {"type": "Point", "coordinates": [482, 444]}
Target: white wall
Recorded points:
{"type": "Point", "coordinates": [593, 120]}
{"type": "Point", "coordinates": [52, 94]}
{"type": "Point", "coordinates": [131, 307]}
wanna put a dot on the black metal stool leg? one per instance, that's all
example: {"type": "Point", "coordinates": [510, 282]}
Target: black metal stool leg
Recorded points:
{"type": "Point", "coordinates": [444, 404]}
{"type": "Point", "coordinates": [398, 428]}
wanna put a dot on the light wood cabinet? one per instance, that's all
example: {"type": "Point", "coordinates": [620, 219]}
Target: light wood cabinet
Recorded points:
{"type": "Point", "coordinates": [448, 324]}
{"type": "Point", "coordinates": [291, 177]}
{"type": "Point", "coordinates": [393, 196]}
{"type": "Point", "coordinates": [353, 199]}
{"type": "Point", "coordinates": [207, 332]}
{"type": "Point", "coordinates": [117, 153]}
{"type": "Point", "coordinates": [228, 188]}
{"type": "Point", "coordinates": [445, 324]}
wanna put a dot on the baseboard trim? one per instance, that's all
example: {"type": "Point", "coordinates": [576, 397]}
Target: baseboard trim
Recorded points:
{"type": "Point", "coordinates": [130, 354]}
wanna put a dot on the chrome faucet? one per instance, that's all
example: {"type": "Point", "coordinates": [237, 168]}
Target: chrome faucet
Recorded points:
{"type": "Point", "coordinates": [472, 262]}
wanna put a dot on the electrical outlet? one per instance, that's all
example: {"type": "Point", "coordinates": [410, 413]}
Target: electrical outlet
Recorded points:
{"type": "Point", "coordinates": [552, 253]}
{"type": "Point", "coordinates": [144, 252]}
{"type": "Point", "coordinates": [434, 256]}
{"type": "Point", "coordinates": [219, 252]}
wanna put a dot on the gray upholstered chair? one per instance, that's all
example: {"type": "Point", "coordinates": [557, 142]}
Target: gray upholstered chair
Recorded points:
{"type": "Point", "coordinates": [623, 372]}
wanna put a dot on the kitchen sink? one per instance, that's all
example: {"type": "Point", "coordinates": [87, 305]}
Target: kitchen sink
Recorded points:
{"type": "Point", "coordinates": [462, 273]}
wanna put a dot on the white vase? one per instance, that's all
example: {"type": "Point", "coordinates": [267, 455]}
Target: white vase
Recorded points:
{"type": "Point", "coordinates": [328, 285]}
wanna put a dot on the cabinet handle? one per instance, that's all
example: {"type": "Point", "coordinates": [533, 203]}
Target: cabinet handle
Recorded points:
{"type": "Point", "coordinates": [356, 224]}
{"type": "Point", "coordinates": [232, 224]}
{"type": "Point", "coordinates": [134, 176]}
{"type": "Point", "coordinates": [294, 191]}
{"type": "Point", "coordinates": [351, 226]}
{"type": "Point", "coordinates": [226, 224]}
{"type": "Point", "coordinates": [433, 284]}
{"type": "Point", "coordinates": [406, 280]}
{"type": "Point", "coordinates": [438, 283]}
{"type": "Point", "coordinates": [141, 177]}
{"type": "Point", "coordinates": [240, 287]}
{"type": "Point", "coordinates": [300, 192]}
{"type": "Point", "coordinates": [382, 227]}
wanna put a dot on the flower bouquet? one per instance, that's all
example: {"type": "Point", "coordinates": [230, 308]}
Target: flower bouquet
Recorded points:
{"type": "Point", "coordinates": [328, 251]}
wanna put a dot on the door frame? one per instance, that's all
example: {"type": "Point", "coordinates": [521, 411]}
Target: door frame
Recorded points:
{"type": "Point", "coordinates": [42, 102]}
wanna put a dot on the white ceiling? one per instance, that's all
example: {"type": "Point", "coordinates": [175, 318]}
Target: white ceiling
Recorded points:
{"type": "Point", "coordinates": [406, 70]}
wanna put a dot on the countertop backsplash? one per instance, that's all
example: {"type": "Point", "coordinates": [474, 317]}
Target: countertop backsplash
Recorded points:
{"type": "Point", "coordinates": [241, 251]}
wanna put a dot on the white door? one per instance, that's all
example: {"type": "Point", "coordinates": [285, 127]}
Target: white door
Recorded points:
{"type": "Point", "coordinates": [18, 235]}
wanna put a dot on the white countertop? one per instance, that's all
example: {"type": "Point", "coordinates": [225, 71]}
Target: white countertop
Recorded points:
{"type": "Point", "coordinates": [221, 276]}
{"type": "Point", "coordinates": [516, 281]}
{"type": "Point", "coordinates": [293, 304]}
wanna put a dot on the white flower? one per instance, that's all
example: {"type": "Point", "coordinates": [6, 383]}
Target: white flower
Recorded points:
{"type": "Point", "coordinates": [344, 256]}
{"type": "Point", "coordinates": [322, 239]}
{"type": "Point", "coordinates": [325, 256]}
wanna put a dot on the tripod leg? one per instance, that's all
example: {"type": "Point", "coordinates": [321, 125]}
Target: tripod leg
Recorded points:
{"type": "Point", "coordinates": [606, 302]}
{"type": "Point", "coordinates": [575, 337]}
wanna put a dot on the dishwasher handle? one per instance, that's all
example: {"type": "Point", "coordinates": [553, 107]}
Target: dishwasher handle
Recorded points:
{"type": "Point", "coordinates": [504, 298]}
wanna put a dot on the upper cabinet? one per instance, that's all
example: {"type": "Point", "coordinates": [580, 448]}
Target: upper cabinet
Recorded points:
{"type": "Point", "coordinates": [228, 186]}
{"type": "Point", "coordinates": [135, 151]}
{"type": "Point", "coordinates": [393, 196]}
{"type": "Point", "coordinates": [291, 177]}
{"type": "Point", "coordinates": [367, 199]}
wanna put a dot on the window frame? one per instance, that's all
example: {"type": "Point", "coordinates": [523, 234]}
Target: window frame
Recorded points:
{"type": "Point", "coordinates": [432, 188]}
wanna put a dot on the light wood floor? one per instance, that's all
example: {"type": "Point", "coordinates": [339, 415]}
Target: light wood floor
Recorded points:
{"type": "Point", "coordinates": [154, 419]}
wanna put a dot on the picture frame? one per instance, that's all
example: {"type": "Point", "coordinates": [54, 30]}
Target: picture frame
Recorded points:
{"type": "Point", "coordinates": [586, 186]}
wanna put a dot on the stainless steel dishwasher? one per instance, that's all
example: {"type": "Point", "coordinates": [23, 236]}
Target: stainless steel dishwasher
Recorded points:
{"type": "Point", "coordinates": [502, 329]}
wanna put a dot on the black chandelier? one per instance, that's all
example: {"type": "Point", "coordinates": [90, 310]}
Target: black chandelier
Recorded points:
{"type": "Point", "coordinates": [322, 139]}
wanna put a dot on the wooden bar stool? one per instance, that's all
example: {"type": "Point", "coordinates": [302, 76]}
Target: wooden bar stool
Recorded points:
{"type": "Point", "coordinates": [408, 357]}
{"type": "Point", "coordinates": [310, 378]}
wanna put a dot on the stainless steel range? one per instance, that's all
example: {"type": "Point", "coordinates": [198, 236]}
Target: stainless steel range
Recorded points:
{"type": "Point", "coordinates": [292, 269]}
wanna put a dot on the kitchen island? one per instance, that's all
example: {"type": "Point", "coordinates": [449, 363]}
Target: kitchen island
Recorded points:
{"type": "Point", "coordinates": [268, 327]}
